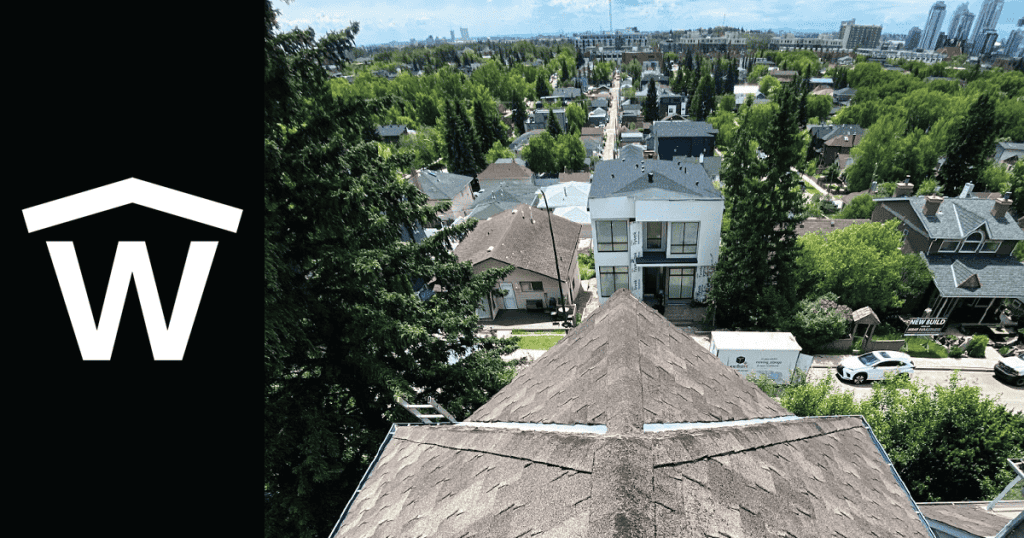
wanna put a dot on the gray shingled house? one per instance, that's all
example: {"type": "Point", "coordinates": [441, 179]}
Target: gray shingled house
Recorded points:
{"type": "Point", "coordinates": [627, 427]}
{"type": "Point", "coordinates": [670, 139]}
{"type": "Point", "coordinates": [441, 186]}
{"type": "Point", "coordinates": [521, 238]}
{"type": "Point", "coordinates": [968, 244]}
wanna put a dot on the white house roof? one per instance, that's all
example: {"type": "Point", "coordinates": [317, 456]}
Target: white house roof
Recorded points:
{"type": "Point", "coordinates": [575, 213]}
{"type": "Point", "coordinates": [753, 340]}
{"type": "Point", "coordinates": [571, 193]}
{"type": "Point", "coordinates": [132, 191]}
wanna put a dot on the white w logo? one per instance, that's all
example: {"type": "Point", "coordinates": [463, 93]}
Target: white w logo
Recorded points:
{"type": "Point", "coordinates": [167, 339]}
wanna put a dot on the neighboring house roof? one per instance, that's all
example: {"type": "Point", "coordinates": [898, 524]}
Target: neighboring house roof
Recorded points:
{"type": "Point", "coordinates": [567, 93]}
{"type": "Point", "coordinates": [831, 132]}
{"type": "Point", "coordinates": [655, 179]}
{"type": "Point", "coordinates": [972, 517]}
{"type": "Point", "coordinates": [845, 92]}
{"type": "Point", "coordinates": [386, 131]}
{"type": "Point", "coordinates": [599, 102]}
{"type": "Point", "coordinates": [591, 144]}
{"type": "Point", "coordinates": [524, 139]}
{"type": "Point", "coordinates": [682, 129]}
{"type": "Point", "coordinates": [825, 225]}
{"type": "Point", "coordinates": [977, 276]}
{"type": "Point", "coordinates": [631, 152]}
{"type": "Point", "coordinates": [957, 218]}
{"type": "Point", "coordinates": [670, 452]}
{"type": "Point", "coordinates": [598, 113]}
{"type": "Point", "coordinates": [823, 80]}
{"type": "Point", "coordinates": [441, 185]}
{"type": "Point", "coordinates": [507, 170]}
{"type": "Point", "coordinates": [566, 177]}
{"type": "Point", "coordinates": [565, 194]}
{"type": "Point", "coordinates": [592, 131]}
{"type": "Point", "coordinates": [577, 214]}
{"type": "Point", "coordinates": [521, 237]}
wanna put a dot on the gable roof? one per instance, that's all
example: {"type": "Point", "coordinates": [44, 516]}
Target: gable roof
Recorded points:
{"type": "Point", "coordinates": [507, 170]}
{"type": "Point", "coordinates": [441, 185]}
{"type": "Point", "coordinates": [677, 179]}
{"type": "Point", "coordinates": [957, 218]}
{"type": "Point", "coordinates": [565, 194]}
{"type": "Point", "coordinates": [977, 276]}
{"type": "Point", "coordinates": [681, 446]}
{"type": "Point", "coordinates": [521, 237]}
{"type": "Point", "coordinates": [386, 131]}
{"type": "Point", "coordinates": [825, 225]}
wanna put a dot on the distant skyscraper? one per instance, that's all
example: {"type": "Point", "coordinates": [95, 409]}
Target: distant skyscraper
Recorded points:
{"type": "Point", "coordinates": [854, 36]}
{"type": "Point", "coordinates": [913, 38]}
{"type": "Point", "coordinates": [960, 25]}
{"type": "Point", "coordinates": [986, 43]}
{"type": "Point", "coordinates": [1014, 44]}
{"type": "Point", "coordinates": [465, 33]}
{"type": "Point", "coordinates": [453, 35]}
{"type": "Point", "coordinates": [932, 27]}
{"type": "Point", "coordinates": [988, 16]}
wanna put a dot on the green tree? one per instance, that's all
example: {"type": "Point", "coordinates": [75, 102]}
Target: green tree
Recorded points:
{"type": "Point", "coordinates": [540, 154]}
{"type": "Point", "coordinates": [703, 103]}
{"type": "Point", "coordinates": [873, 156]}
{"type": "Point", "coordinates": [498, 151]}
{"type": "Point", "coordinates": [863, 265]}
{"type": "Point", "coordinates": [553, 126]}
{"type": "Point", "coordinates": [575, 118]}
{"type": "Point", "coordinates": [463, 153]}
{"type": "Point", "coordinates": [344, 331]}
{"type": "Point", "coordinates": [754, 283]}
{"type": "Point", "coordinates": [651, 102]}
{"type": "Point", "coordinates": [971, 144]}
{"type": "Point", "coordinates": [858, 208]}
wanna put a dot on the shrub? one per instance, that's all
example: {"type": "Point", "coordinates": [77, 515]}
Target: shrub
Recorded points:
{"type": "Point", "coordinates": [820, 321]}
{"type": "Point", "coordinates": [1005, 351]}
{"type": "Point", "coordinates": [956, 352]}
{"type": "Point", "coordinates": [976, 347]}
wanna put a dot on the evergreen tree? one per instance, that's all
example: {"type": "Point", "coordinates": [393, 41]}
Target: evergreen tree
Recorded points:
{"type": "Point", "coordinates": [554, 128]}
{"type": "Point", "coordinates": [651, 102]}
{"type": "Point", "coordinates": [754, 283]}
{"type": "Point", "coordinates": [344, 330]}
{"type": "Point", "coordinates": [543, 90]}
{"type": "Point", "coordinates": [702, 104]}
{"type": "Point", "coordinates": [519, 112]}
{"type": "Point", "coordinates": [463, 154]}
{"type": "Point", "coordinates": [970, 146]}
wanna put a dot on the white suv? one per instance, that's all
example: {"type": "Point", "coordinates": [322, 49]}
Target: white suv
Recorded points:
{"type": "Point", "coordinates": [874, 365]}
{"type": "Point", "coordinates": [1011, 369]}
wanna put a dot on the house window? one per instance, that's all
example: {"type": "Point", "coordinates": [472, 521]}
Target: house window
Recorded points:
{"type": "Point", "coordinates": [654, 233]}
{"type": "Point", "coordinates": [990, 246]}
{"type": "Point", "coordinates": [611, 236]}
{"type": "Point", "coordinates": [531, 286]}
{"type": "Point", "coordinates": [613, 278]}
{"type": "Point", "coordinates": [972, 243]}
{"type": "Point", "coordinates": [680, 282]}
{"type": "Point", "coordinates": [684, 237]}
{"type": "Point", "coordinates": [948, 246]}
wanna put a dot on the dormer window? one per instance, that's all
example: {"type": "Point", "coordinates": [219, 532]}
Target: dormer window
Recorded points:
{"type": "Point", "coordinates": [973, 242]}
{"type": "Point", "coordinates": [990, 247]}
{"type": "Point", "coordinates": [949, 246]}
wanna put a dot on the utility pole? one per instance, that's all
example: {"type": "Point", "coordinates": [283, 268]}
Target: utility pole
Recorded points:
{"type": "Point", "coordinates": [558, 272]}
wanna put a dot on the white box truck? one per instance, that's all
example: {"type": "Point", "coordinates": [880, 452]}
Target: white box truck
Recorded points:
{"type": "Point", "coordinates": [775, 355]}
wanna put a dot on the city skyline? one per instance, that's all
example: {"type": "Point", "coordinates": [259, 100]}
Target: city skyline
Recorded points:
{"type": "Point", "coordinates": [933, 26]}
{"type": "Point", "coordinates": [402, 20]}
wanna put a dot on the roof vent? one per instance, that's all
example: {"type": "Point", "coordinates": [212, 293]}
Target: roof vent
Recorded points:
{"type": "Point", "coordinates": [650, 177]}
{"type": "Point", "coordinates": [968, 188]}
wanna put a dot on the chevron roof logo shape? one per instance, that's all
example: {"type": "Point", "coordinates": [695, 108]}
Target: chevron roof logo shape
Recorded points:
{"type": "Point", "coordinates": [168, 338]}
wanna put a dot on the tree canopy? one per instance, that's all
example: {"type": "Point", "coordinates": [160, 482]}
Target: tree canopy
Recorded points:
{"type": "Point", "coordinates": [862, 264]}
{"type": "Point", "coordinates": [346, 329]}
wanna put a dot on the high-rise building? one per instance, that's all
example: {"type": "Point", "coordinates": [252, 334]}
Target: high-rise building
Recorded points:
{"type": "Point", "coordinates": [913, 39]}
{"type": "Point", "coordinates": [986, 43]}
{"type": "Point", "coordinates": [1014, 44]}
{"type": "Point", "coordinates": [988, 16]}
{"type": "Point", "coordinates": [960, 25]}
{"type": "Point", "coordinates": [453, 34]}
{"type": "Point", "coordinates": [465, 33]}
{"type": "Point", "coordinates": [854, 36]}
{"type": "Point", "coordinates": [932, 28]}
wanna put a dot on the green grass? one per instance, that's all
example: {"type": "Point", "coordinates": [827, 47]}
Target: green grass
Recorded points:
{"type": "Point", "coordinates": [539, 341]}
{"type": "Point", "coordinates": [924, 347]}
{"type": "Point", "coordinates": [551, 331]}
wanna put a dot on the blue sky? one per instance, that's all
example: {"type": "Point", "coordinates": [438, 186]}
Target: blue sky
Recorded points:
{"type": "Point", "coordinates": [400, 20]}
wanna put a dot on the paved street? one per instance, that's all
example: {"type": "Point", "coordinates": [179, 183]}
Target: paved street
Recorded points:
{"type": "Point", "coordinates": [613, 121]}
{"type": "Point", "coordinates": [1011, 397]}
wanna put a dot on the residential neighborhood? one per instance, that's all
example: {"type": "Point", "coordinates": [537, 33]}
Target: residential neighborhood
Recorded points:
{"type": "Point", "coordinates": [708, 282]}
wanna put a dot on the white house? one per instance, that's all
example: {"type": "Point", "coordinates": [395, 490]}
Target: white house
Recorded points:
{"type": "Point", "coordinates": [656, 227]}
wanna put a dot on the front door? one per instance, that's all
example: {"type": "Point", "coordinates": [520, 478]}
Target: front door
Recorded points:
{"type": "Point", "coordinates": [510, 298]}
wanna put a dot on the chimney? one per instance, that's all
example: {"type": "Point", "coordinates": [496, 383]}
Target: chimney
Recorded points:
{"type": "Point", "coordinates": [1001, 205]}
{"type": "Point", "coordinates": [968, 188]}
{"type": "Point", "coordinates": [931, 205]}
{"type": "Point", "coordinates": [904, 189]}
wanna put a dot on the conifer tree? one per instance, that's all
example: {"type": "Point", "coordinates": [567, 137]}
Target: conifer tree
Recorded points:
{"type": "Point", "coordinates": [344, 329]}
{"type": "Point", "coordinates": [754, 285]}
{"type": "Point", "coordinates": [970, 146]}
{"type": "Point", "coordinates": [651, 102]}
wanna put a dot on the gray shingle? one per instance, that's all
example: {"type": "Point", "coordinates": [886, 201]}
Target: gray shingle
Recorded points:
{"type": "Point", "coordinates": [680, 177]}
{"type": "Point", "coordinates": [998, 276]}
{"type": "Point", "coordinates": [959, 217]}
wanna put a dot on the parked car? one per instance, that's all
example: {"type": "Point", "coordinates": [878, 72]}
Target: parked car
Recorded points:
{"type": "Point", "coordinates": [1011, 369]}
{"type": "Point", "coordinates": [874, 365]}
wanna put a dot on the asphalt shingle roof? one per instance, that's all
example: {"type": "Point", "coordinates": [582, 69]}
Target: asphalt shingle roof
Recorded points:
{"type": "Point", "coordinates": [676, 179]}
{"type": "Point", "coordinates": [959, 217]}
{"type": "Point", "coordinates": [391, 130]}
{"type": "Point", "coordinates": [505, 171]}
{"type": "Point", "coordinates": [441, 185]}
{"type": "Point", "coordinates": [977, 276]}
{"type": "Point", "coordinates": [682, 129]}
{"type": "Point", "coordinates": [565, 194]}
{"type": "Point", "coordinates": [624, 367]}
{"type": "Point", "coordinates": [521, 237]}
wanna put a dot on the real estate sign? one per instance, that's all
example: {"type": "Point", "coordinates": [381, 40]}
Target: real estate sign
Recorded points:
{"type": "Point", "coordinates": [925, 326]}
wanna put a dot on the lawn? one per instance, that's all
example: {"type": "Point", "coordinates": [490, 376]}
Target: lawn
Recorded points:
{"type": "Point", "coordinates": [539, 341]}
